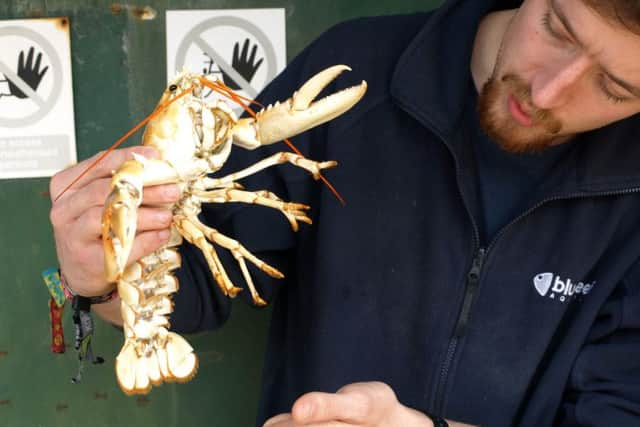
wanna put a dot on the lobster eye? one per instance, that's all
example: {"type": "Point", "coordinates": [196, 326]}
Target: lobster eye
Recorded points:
{"type": "Point", "coordinates": [173, 88]}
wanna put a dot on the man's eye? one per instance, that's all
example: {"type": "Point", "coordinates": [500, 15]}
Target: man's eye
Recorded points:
{"type": "Point", "coordinates": [608, 93]}
{"type": "Point", "coordinates": [546, 23]}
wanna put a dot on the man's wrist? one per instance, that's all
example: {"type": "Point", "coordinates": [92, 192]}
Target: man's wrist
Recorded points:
{"type": "Point", "coordinates": [71, 294]}
{"type": "Point", "coordinates": [413, 417]}
{"type": "Point", "coordinates": [110, 312]}
{"type": "Point", "coordinates": [437, 420]}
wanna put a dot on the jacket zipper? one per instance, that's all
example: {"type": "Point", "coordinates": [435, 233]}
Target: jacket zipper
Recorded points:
{"type": "Point", "coordinates": [473, 276]}
{"type": "Point", "coordinates": [473, 280]}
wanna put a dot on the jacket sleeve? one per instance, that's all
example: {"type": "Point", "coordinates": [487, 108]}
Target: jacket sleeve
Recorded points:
{"type": "Point", "coordinates": [604, 386]}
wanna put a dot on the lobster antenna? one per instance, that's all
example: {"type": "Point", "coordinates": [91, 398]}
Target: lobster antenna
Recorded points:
{"type": "Point", "coordinates": [122, 139]}
{"type": "Point", "coordinates": [225, 90]}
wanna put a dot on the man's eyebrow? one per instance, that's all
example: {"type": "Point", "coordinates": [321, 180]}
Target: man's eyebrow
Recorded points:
{"type": "Point", "coordinates": [627, 86]}
{"type": "Point", "coordinates": [567, 25]}
{"type": "Point", "coordinates": [565, 22]}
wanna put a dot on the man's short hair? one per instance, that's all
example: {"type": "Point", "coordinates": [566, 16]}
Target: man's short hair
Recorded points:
{"type": "Point", "coordinates": [625, 13]}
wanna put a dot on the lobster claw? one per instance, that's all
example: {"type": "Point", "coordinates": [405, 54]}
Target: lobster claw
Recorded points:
{"type": "Point", "coordinates": [298, 113]}
{"type": "Point", "coordinates": [119, 218]}
{"type": "Point", "coordinates": [120, 212]}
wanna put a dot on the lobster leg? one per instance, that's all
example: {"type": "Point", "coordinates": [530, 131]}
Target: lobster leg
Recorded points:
{"type": "Point", "coordinates": [200, 235]}
{"type": "Point", "coordinates": [311, 166]}
{"type": "Point", "coordinates": [195, 236]}
{"type": "Point", "coordinates": [293, 211]}
{"type": "Point", "coordinates": [240, 253]}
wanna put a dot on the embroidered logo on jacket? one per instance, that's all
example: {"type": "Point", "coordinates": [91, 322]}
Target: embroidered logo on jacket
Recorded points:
{"type": "Point", "coordinates": [554, 287]}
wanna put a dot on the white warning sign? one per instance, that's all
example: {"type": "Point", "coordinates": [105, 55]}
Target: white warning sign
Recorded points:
{"type": "Point", "coordinates": [245, 48]}
{"type": "Point", "coordinates": [37, 129]}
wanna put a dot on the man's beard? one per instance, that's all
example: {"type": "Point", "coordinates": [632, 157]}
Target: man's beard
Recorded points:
{"type": "Point", "coordinates": [503, 129]}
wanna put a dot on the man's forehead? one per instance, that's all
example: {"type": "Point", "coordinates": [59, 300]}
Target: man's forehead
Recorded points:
{"type": "Point", "coordinates": [624, 14]}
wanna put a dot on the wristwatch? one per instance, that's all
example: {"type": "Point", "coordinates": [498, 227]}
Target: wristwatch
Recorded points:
{"type": "Point", "coordinates": [438, 421]}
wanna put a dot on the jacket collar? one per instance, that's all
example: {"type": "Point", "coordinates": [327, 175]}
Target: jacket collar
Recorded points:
{"type": "Point", "coordinates": [434, 91]}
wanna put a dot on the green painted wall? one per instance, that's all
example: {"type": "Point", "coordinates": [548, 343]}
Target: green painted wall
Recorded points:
{"type": "Point", "coordinates": [118, 73]}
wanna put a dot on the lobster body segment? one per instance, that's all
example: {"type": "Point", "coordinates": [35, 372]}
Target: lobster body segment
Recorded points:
{"type": "Point", "coordinates": [194, 139]}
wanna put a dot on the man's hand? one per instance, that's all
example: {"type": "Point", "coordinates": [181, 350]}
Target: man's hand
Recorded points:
{"type": "Point", "coordinates": [369, 404]}
{"type": "Point", "coordinates": [77, 215]}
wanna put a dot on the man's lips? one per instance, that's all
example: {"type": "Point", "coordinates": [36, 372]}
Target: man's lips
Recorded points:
{"type": "Point", "coordinates": [518, 113]}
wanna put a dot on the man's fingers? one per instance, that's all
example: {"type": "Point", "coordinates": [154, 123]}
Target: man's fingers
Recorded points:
{"type": "Point", "coordinates": [317, 407]}
{"type": "Point", "coordinates": [102, 169]}
{"type": "Point", "coordinates": [358, 403]}
{"type": "Point", "coordinates": [148, 242]}
{"type": "Point", "coordinates": [161, 194]}
{"type": "Point", "coordinates": [153, 219]}
{"type": "Point", "coordinates": [95, 193]}
{"type": "Point", "coordinates": [89, 225]}
{"type": "Point", "coordinates": [278, 421]}
{"type": "Point", "coordinates": [285, 420]}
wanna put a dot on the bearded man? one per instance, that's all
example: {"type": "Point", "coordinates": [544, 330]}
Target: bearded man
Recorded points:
{"type": "Point", "coordinates": [486, 267]}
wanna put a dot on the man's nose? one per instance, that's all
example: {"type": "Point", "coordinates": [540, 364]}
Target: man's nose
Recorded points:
{"type": "Point", "coordinates": [552, 85]}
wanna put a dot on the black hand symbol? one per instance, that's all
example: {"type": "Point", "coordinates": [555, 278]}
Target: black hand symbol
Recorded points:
{"type": "Point", "coordinates": [246, 67]}
{"type": "Point", "coordinates": [29, 72]}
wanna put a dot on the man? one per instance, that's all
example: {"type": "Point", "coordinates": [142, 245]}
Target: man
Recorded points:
{"type": "Point", "coordinates": [491, 280]}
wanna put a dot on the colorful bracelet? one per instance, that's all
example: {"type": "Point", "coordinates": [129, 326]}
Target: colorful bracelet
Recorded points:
{"type": "Point", "coordinates": [81, 315]}
{"type": "Point", "coordinates": [57, 301]}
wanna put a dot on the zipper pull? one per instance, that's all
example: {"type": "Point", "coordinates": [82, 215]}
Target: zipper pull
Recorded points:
{"type": "Point", "coordinates": [474, 274]}
{"type": "Point", "coordinates": [473, 277]}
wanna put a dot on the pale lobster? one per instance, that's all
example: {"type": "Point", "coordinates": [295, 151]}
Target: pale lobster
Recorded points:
{"type": "Point", "coordinates": [194, 140]}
